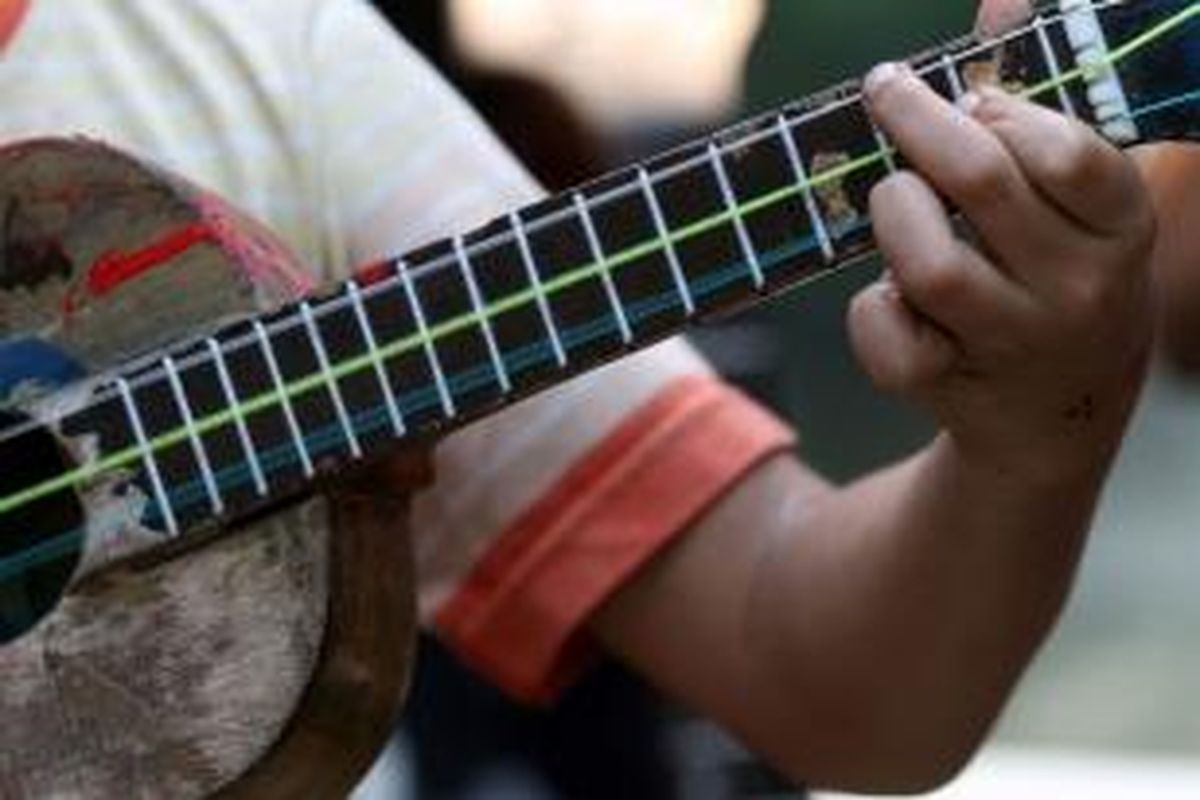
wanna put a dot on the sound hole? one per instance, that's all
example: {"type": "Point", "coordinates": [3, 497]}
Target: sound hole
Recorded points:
{"type": "Point", "coordinates": [40, 542]}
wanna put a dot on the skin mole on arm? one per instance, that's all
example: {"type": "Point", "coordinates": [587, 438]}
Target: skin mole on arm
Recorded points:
{"type": "Point", "coordinates": [1083, 410]}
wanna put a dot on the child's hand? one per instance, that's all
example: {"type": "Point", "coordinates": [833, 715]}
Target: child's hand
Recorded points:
{"type": "Point", "coordinates": [1028, 336]}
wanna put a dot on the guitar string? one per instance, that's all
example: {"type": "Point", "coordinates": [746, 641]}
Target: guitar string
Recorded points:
{"type": "Point", "coordinates": [64, 544]}
{"type": "Point", "coordinates": [303, 386]}
{"type": "Point", "coordinates": [148, 369]}
{"type": "Point", "coordinates": [153, 374]}
{"type": "Point", "coordinates": [369, 421]}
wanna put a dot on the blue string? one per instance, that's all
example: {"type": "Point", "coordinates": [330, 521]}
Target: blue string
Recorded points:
{"type": "Point", "coordinates": [1166, 105]}
{"type": "Point", "coordinates": [517, 362]}
{"type": "Point", "coordinates": [332, 437]}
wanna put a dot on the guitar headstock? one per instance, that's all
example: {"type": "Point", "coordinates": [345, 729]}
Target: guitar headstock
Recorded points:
{"type": "Point", "coordinates": [1153, 50]}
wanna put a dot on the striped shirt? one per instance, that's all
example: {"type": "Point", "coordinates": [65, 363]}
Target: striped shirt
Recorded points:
{"type": "Point", "coordinates": [317, 119]}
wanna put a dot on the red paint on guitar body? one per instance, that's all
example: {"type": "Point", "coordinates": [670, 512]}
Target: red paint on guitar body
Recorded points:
{"type": "Point", "coordinates": [115, 268]}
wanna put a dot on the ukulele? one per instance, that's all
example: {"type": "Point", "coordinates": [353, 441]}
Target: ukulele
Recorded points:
{"type": "Point", "coordinates": [183, 611]}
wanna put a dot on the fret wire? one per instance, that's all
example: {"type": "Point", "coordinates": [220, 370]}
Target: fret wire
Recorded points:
{"type": "Point", "coordinates": [435, 363]}
{"type": "Point", "coordinates": [132, 453]}
{"type": "Point", "coordinates": [612, 195]}
{"type": "Point", "coordinates": [664, 234]}
{"type": "Point", "coordinates": [485, 322]}
{"type": "Point", "coordinates": [885, 146]}
{"type": "Point", "coordinates": [950, 68]}
{"type": "Point", "coordinates": [239, 417]}
{"type": "Point", "coordinates": [622, 192]}
{"type": "Point", "coordinates": [364, 326]}
{"type": "Point", "coordinates": [539, 288]}
{"type": "Point", "coordinates": [810, 200]}
{"type": "Point", "coordinates": [285, 401]}
{"type": "Point", "coordinates": [198, 449]}
{"type": "Point", "coordinates": [739, 221]}
{"type": "Point", "coordinates": [598, 254]}
{"type": "Point", "coordinates": [147, 452]}
{"type": "Point", "coordinates": [674, 170]}
{"type": "Point", "coordinates": [335, 391]}
{"type": "Point", "coordinates": [1055, 67]}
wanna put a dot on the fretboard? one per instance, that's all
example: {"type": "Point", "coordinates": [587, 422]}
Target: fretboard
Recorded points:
{"type": "Point", "coordinates": [423, 344]}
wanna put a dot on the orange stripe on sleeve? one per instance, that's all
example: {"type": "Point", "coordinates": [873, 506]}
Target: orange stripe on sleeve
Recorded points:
{"type": "Point", "coordinates": [519, 614]}
{"type": "Point", "coordinates": [12, 12]}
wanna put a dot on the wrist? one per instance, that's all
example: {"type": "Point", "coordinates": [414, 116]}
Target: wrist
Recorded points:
{"type": "Point", "coordinates": [1030, 469]}
{"type": "Point", "coordinates": [1051, 439]}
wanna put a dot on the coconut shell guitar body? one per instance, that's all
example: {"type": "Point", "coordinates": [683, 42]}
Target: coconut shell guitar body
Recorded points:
{"type": "Point", "coordinates": [169, 675]}
{"type": "Point", "coordinates": [190, 604]}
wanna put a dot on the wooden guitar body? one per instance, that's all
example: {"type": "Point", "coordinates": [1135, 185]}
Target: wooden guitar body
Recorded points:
{"type": "Point", "coordinates": [177, 673]}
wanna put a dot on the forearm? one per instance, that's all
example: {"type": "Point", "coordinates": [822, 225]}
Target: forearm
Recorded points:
{"type": "Point", "coordinates": [896, 614]}
{"type": "Point", "coordinates": [866, 637]}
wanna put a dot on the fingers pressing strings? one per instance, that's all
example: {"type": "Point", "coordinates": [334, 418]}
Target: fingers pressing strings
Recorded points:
{"type": "Point", "coordinates": [939, 273]}
{"type": "Point", "coordinates": [1084, 177]}
{"type": "Point", "coordinates": [901, 349]}
{"type": "Point", "coordinates": [969, 165]}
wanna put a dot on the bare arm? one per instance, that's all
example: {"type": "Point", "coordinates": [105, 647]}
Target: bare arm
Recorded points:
{"type": "Point", "coordinates": [866, 637]}
{"type": "Point", "coordinates": [862, 638]}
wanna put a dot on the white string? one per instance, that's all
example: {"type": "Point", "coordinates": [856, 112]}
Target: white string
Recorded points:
{"type": "Point", "coordinates": [150, 372]}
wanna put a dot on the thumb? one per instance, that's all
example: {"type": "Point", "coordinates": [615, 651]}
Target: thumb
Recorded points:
{"type": "Point", "coordinates": [997, 16]}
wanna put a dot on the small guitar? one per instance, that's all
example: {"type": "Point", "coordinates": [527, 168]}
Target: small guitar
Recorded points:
{"type": "Point", "coordinates": [182, 612]}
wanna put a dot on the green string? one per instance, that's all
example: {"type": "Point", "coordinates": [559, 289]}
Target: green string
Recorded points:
{"type": "Point", "coordinates": [428, 337]}
{"type": "Point", "coordinates": [1114, 57]}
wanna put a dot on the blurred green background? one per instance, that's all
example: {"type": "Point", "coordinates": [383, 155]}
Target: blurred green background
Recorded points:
{"type": "Point", "coordinates": [808, 44]}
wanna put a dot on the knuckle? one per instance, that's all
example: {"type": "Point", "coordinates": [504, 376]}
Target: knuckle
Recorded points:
{"type": "Point", "coordinates": [917, 365]}
{"type": "Point", "coordinates": [881, 354]}
{"type": "Point", "coordinates": [858, 314]}
{"type": "Point", "coordinates": [940, 280]}
{"type": "Point", "coordinates": [1088, 298]}
{"type": "Point", "coordinates": [893, 370]}
{"type": "Point", "coordinates": [983, 181]}
{"type": "Point", "coordinates": [1144, 227]}
{"type": "Point", "coordinates": [1010, 348]}
{"type": "Point", "coordinates": [1080, 162]}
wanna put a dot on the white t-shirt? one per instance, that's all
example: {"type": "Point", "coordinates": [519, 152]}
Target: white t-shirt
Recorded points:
{"type": "Point", "coordinates": [314, 116]}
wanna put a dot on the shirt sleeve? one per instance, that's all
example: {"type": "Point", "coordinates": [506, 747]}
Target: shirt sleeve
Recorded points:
{"type": "Point", "coordinates": [539, 513]}
{"type": "Point", "coordinates": [546, 559]}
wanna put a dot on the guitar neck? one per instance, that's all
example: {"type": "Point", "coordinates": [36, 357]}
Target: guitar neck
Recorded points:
{"type": "Point", "coordinates": [418, 346]}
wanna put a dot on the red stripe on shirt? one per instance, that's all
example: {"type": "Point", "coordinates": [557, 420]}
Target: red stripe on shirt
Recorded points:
{"type": "Point", "coordinates": [12, 13]}
{"type": "Point", "coordinates": [519, 614]}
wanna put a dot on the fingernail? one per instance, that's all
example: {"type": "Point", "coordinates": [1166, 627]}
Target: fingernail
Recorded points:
{"type": "Point", "coordinates": [882, 75]}
{"type": "Point", "coordinates": [976, 101]}
{"type": "Point", "coordinates": [969, 103]}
